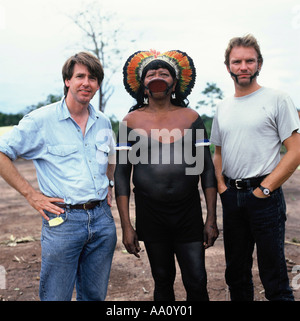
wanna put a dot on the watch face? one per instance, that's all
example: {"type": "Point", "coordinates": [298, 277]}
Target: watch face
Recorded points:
{"type": "Point", "coordinates": [266, 191]}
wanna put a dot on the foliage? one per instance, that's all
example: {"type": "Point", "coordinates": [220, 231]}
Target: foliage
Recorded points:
{"type": "Point", "coordinates": [49, 100]}
{"type": "Point", "coordinates": [212, 93]}
{"type": "Point", "coordinates": [10, 119]}
{"type": "Point", "coordinates": [13, 119]}
{"type": "Point", "coordinates": [207, 120]}
{"type": "Point", "coordinates": [114, 124]}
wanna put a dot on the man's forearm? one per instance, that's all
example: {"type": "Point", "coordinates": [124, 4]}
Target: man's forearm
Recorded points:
{"type": "Point", "coordinates": [12, 176]}
{"type": "Point", "coordinates": [110, 169]}
{"type": "Point", "coordinates": [36, 199]}
{"type": "Point", "coordinates": [288, 164]}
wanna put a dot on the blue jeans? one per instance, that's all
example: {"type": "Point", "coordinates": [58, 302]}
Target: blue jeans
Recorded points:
{"type": "Point", "coordinates": [248, 220]}
{"type": "Point", "coordinates": [80, 251]}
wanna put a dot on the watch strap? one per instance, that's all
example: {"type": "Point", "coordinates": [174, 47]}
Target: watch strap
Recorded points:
{"type": "Point", "coordinates": [265, 190]}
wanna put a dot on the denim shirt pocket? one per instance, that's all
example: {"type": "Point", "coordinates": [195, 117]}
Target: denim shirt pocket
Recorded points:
{"type": "Point", "coordinates": [66, 160]}
{"type": "Point", "coordinates": [62, 150]}
{"type": "Point", "coordinates": [102, 151]}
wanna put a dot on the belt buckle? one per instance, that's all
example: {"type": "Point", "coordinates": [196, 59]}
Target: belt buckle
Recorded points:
{"type": "Point", "coordinates": [84, 206]}
{"type": "Point", "coordinates": [236, 183]}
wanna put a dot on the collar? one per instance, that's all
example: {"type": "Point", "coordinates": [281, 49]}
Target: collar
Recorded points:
{"type": "Point", "coordinates": [64, 113]}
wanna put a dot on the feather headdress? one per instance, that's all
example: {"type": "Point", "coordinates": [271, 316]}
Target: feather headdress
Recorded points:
{"type": "Point", "coordinates": [178, 60]}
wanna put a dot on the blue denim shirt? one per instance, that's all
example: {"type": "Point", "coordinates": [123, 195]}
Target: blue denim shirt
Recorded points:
{"type": "Point", "coordinates": [69, 165]}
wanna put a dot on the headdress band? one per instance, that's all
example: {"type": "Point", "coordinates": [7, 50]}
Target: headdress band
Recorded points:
{"type": "Point", "coordinates": [178, 60]}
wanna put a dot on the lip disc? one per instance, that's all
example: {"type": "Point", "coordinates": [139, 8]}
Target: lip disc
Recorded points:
{"type": "Point", "coordinates": [157, 85]}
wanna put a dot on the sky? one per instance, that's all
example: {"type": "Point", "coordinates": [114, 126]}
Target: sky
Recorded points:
{"type": "Point", "coordinates": [37, 37]}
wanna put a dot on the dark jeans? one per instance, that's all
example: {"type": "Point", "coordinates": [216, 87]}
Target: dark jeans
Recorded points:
{"type": "Point", "coordinates": [248, 220]}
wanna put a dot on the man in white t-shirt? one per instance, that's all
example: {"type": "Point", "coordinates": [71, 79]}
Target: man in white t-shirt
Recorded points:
{"type": "Point", "coordinates": [248, 131]}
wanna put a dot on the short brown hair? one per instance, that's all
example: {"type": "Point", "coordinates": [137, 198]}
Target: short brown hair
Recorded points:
{"type": "Point", "coordinates": [246, 41]}
{"type": "Point", "coordinates": [84, 58]}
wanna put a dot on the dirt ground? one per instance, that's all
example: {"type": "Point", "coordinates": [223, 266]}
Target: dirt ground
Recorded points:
{"type": "Point", "coordinates": [131, 280]}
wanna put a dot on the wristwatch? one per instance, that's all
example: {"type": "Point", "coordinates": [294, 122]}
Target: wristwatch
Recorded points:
{"type": "Point", "coordinates": [111, 183]}
{"type": "Point", "coordinates": [265, 190]}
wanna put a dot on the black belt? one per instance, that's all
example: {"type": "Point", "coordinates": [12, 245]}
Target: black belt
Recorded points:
{"type": "Point", "coordinates": [244, 183]}
{"type": "Point", "coordinates": [85, 206]}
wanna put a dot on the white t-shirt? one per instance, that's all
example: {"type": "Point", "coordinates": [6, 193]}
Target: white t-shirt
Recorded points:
{"type": "Point", "coordinates": [250, 131]}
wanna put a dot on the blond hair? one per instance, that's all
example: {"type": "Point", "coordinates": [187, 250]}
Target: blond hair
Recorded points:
{"type": "Point", "coordinates": [246, 41]}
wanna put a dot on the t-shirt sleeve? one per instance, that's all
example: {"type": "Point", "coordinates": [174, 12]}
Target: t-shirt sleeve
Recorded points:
{"type": "Point", "coordinates": [287, 118]}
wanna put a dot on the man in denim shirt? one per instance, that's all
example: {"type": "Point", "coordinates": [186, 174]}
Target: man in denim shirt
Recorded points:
{"type": "Point", "coordinates": [70, 143]}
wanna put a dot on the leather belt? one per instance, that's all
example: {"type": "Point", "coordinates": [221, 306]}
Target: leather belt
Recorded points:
{"type": "Point", "coordinates": [85, 206]}
{"type": "Point", "coordinates": [244, 183]}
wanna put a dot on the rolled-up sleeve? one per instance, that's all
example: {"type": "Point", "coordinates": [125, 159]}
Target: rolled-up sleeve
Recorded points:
{"type": "Point", "coordinates": [22, 141]}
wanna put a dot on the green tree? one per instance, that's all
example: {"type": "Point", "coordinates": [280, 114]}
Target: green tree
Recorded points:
{"type": "Point", "coordinates": [212, 93]}
{"type": "Point", "coordinates": [10, 119]}
{"type": "Point", "coordinates": [49, 100]}
{"type": "Point", "coordinates": [114, 124]}
{"type": "Point", "coordinates": [13, 119]}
